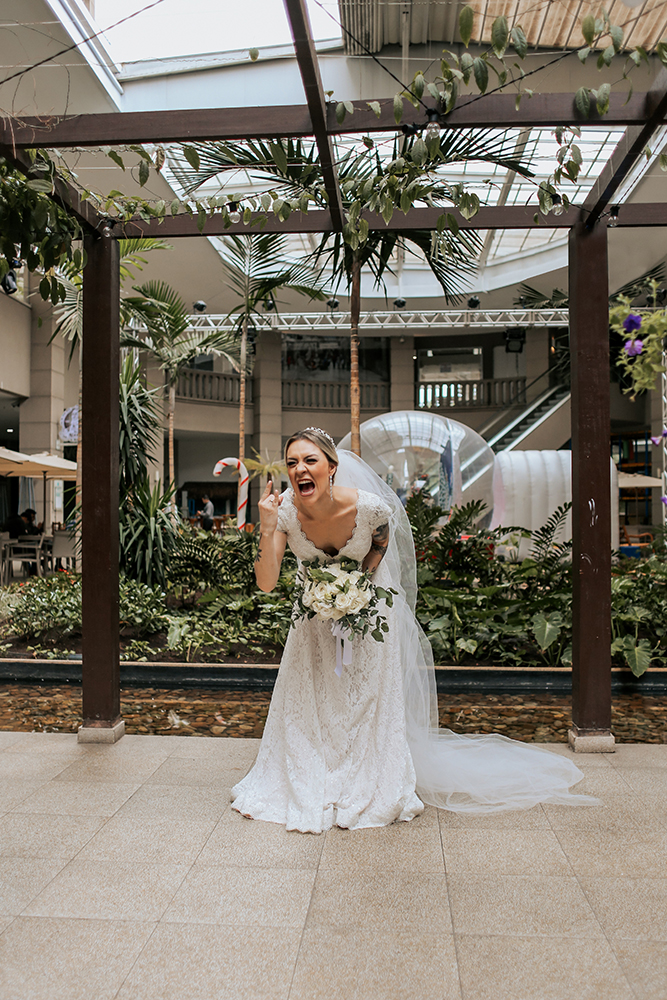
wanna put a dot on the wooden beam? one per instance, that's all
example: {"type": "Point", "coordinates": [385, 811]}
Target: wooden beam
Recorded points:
{"type": "Point", "coordinates": [293, 121]}
{"type": "Point", "coordinates": [591, 489]}
{"type": "Point", "coordinates": [306, 57]}
{"type": "Point", "coordinates": [500, 217]}
{"type": "Point", "coordinates": [628, 151]}
{"type": "Point", "coordinates": [121, 128]}
{"type": "Point", "coordinates": [99, 518]}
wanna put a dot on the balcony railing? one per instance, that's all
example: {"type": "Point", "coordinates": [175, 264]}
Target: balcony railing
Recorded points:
{"type": "Point", "coordinates": [481, 392]}
{"type": "Point", "coordinates": [307, 395]}
{"type": "Point", "coordinates": [213, 387]}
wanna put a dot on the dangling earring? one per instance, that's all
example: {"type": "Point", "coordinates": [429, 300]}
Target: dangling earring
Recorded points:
{"type": "Point", "coordinates": [331, 485]}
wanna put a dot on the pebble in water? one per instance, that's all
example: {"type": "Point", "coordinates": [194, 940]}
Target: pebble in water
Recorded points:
{"type": "Point", "coordinates": [541, 718]}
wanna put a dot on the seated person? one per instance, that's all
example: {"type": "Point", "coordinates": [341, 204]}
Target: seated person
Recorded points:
{"type": "Point", "coordinates": [19, 524]}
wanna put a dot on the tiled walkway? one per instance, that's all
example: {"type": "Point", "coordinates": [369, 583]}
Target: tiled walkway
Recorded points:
{"type": "Point", "coordinates": [124, 874]}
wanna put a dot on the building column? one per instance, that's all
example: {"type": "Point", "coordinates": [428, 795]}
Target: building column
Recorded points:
{"type": "Point", "coordinates": [267, 386]}
{"type": "Point", "coordinates": [39, 415]}
{"type": "Point", "coordinates": [102, 722]}
{"type": "Point", "coordinates": [402, 373]}
{"type": "Point", "coordinates": [591, 501]}
{"type": "Point", "coordinates": [536, 350]}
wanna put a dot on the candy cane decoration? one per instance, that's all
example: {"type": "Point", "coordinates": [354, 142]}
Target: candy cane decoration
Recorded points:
{"type": "Point", "coordinates": [243, 487]}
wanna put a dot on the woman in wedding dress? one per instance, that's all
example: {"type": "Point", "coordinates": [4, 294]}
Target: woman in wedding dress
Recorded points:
{"type": "Point", "coordinates": [360, 746]}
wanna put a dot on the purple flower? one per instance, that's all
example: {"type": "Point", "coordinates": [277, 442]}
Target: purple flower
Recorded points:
{"type": "Point", "coordinates": [657, 440]}
{"type": "Point", "coordinates": [632, 323]}
{"type": "Point", "coordinates": [633, 348]}
{"type": "Point", "coordinates": [664, 500]}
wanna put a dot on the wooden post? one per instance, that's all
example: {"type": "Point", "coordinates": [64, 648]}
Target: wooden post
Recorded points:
{"type": "Point", "coordinates": [101, 358]}
{"type": "Point", "coordinates": [591, 501]}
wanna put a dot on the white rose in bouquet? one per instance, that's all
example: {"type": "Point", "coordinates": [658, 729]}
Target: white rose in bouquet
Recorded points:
{"type": "Point", "coordinates": [342, 592]}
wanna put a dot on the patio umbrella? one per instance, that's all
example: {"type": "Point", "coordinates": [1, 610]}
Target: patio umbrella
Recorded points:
{"type": "Point", "coordinates": [41, 466]}
{"type": "Point", "coordinates": [634, 480]}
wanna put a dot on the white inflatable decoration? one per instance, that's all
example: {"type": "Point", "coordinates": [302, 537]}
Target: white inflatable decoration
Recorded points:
{"type": "Point", "coordinates": [413, 449]}
{"type": "Point", "coordinates": [530, 485]}
{"type": "Point", "coordinates": [242, 508]}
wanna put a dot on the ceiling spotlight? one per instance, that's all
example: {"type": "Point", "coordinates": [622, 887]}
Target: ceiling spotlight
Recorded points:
{"type": "Point", "coordinates": [515, 338]}
{"type": "Point", "coordinates": [433, 127]}
{"type": "Point", "coordinates": [333, 304]}
{"type": "Point", "coordinates": [613, 217]}
{"type": "Point", "coordinates": [557, 206]}
{"type": "Point", "coordinates": [234, 214]}
{"type": "Point", "coordinates": [199, 306]}
{"type": "Point", "coordinates": [473, 302]}
{"type": "Point", "coordinates": [269, 305]}
{"type": "Point", "coordinates": [400, 303]}
{"type": "Point", "coordinates": [8, 283]}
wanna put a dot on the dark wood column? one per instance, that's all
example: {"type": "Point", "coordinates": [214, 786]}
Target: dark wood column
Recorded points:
{"type": "Point", "coordinates": [101, 357]}
{"type": "Point", "coordinates": [591, 501]}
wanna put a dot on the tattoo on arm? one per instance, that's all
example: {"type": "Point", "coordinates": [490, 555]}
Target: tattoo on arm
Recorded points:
{"type": "Point", "coordinates": [259, 550]}
{"type": "Point", "coordinates": [380, 540]}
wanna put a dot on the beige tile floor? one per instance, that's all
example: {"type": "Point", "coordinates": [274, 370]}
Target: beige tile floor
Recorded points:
{"type": "Point", "coordinates": [124, 875]}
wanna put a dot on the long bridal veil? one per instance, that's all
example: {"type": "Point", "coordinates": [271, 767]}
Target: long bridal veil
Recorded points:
{"type": "Point", "coordinates": [471, 773]}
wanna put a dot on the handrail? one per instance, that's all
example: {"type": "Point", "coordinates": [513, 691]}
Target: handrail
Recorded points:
{"type": "Point", "coordinates": [311, 394]}
{"type": "Point", "coordinates": [538, 423]}
{"type": "Point", "coordinates": [524, 413]}
{"type": "Point", "coordinates": [442, 394]}
{"type": "Point", "coordinates": [211, 387]}
{"type": "Point", "coordinates": [498, 416]}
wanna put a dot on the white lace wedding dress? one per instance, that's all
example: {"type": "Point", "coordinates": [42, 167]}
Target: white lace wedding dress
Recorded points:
{"type": "Point", "coordinates": [334, 751]}
{"type": "Point", "coordinates": [364, 748]}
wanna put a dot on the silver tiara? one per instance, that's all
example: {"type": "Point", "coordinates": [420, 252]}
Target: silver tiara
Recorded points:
{"type": "Point", "coordinates": [323, 433]}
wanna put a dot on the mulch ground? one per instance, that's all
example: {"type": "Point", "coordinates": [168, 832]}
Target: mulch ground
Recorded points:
{"type": "Point", "coordinates": [541, 718]}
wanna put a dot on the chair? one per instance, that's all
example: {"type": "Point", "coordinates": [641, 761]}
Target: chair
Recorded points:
{"type": "Point", "coordinates": [634, 542]}
{"type": "Point", "coordinates": [4, 558]}
{"type": "Point", "coordinates": [63, 547]}
{"type": "Point", "coordinates": [27, 548]}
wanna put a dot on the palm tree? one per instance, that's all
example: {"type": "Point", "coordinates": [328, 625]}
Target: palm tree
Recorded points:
{"type": "Point", "coordinates": [256, 267]}
{"type": "Point", "coordinates": [171, 341]}
{"type": "Point", "coordinates": [414, 173]}
{"type": "Point", "coordinates": [69, 315]}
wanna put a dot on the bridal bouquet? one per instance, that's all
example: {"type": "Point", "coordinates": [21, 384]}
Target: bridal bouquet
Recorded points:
{"type": "Point", "coordinates": [342, 593]}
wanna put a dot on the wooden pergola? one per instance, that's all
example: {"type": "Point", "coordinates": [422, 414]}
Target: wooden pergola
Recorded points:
{"type": "Point", "coordinates": [642, 115]}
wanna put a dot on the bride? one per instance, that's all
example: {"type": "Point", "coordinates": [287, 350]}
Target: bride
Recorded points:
{"type": "Point", "coordinates": [360, 747]}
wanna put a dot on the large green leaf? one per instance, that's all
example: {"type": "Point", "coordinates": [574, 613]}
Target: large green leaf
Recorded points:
{"type": "Point", "coordinates": [547, 628]}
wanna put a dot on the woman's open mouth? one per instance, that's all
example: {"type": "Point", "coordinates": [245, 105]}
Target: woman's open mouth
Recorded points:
{"type": "Point", "coordinates": [306, 487]}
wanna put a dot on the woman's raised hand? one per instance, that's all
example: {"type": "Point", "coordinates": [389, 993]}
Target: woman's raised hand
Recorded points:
{"type": "Point", "coordinates": [268, 508]}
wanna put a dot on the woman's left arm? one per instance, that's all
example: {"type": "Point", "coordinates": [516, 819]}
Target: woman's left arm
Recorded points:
{"type": "Point", "coordinates": [379, 543]}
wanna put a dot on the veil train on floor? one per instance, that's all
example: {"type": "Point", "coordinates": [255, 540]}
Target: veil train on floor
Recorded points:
{"type": "Point", "coordinates": [460, 773]}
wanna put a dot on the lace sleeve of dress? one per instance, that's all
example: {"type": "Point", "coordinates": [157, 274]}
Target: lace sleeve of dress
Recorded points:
{"type": "Point", "coordinates": [378, 511]}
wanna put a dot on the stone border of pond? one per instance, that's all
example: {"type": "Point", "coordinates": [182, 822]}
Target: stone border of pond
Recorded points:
{"type": "Point", "coordinates": [249, 676]}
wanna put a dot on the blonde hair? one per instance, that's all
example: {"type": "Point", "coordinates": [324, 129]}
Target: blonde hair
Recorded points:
{"type": "Point", "coordinates": [317, 437]}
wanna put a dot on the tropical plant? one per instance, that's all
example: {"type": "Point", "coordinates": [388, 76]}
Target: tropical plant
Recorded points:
{"type": "Point", "coordinates": [256, 268]}
{"type": "Point", "coordinates": [641, 360]}
{"type": "Point", "coordinates": [170, 339]}
{"type": "Point", "coordinates": [266, 467]}
{"type": "Point", "coordinates": [140, 427]}
{"type": "Point", "coordinates": [148, 533]}
{"type": "Point", "coordinates": [69, 314]}
{"type": "Point", "coordinates": [34, 227]}
{"type": "Point", "coordinates": [369, 182]}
